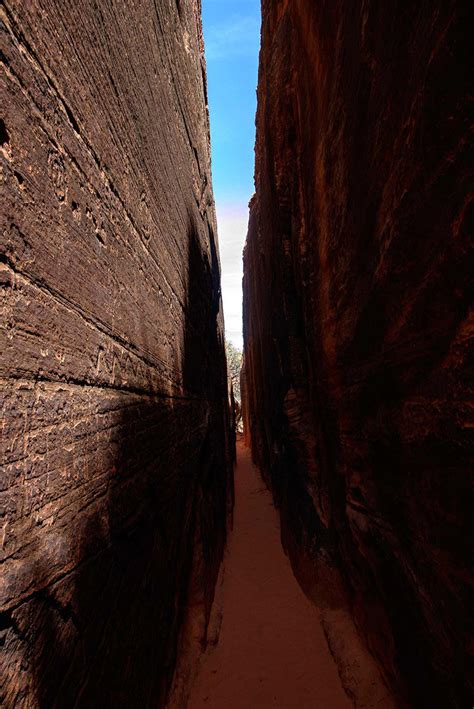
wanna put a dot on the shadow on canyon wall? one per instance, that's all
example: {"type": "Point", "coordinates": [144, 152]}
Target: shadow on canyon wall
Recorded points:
{"type": "Point", "coordinates": [106, 634]}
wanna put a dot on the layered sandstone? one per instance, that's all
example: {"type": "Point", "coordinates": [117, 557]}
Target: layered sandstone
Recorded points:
{"type": "Point", "coordinates": [115, 452]}
{"type": "Point", "coordinates": [357, 325]}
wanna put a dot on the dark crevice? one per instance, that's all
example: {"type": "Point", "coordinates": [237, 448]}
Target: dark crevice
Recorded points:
{"type": "Point", "coordinates": [4, 135]}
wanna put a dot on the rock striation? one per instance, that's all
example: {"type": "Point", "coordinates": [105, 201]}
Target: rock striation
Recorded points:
{"type": "Point", "coordinates": [357, 321]}
{"type": "Point", "coordinates": [116, 471]}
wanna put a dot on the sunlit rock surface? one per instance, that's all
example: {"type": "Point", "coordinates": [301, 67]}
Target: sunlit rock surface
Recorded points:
{"type": "Point", "coordinates": [357, 329]}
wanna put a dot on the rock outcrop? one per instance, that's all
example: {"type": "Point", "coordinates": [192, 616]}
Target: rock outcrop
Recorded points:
{"type": "Point", "coordinates": [115, 450]}
{"type": "Point", "coordinates": [356, 317]}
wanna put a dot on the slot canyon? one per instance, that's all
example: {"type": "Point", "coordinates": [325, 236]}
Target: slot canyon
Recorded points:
{"type": "Point", "coordinates": [338, 572]}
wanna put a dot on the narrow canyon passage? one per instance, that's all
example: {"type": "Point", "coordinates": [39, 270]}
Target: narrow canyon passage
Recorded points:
{"type": "Point", "coordinates": [117, 399]}
{"type": "Point", "coordinates": [271, 651]}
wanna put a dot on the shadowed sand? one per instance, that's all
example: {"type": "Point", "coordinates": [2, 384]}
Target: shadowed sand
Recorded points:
{"type": "Point", "coordinates": [272, 651]}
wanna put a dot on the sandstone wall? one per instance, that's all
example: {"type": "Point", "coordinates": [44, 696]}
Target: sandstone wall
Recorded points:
{"type": "Point", "coordinates": [357, 326]}
{"type": "Point", "coordinates": [115, 456]}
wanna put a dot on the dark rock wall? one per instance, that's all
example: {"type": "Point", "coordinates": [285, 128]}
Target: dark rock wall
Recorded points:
{"type": "Point", "coordinates": [356, 316]}
{"type": "Point", "coordinates": [115, 450]}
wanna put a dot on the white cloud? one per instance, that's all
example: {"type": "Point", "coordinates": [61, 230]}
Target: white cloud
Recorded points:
{"type": "Point", "coordinates": [232, 221]}
{"type": "Point", "coordinates": [236, 37]}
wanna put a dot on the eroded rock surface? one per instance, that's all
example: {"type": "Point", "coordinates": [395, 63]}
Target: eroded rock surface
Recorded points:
{"type": "Point", "coordinates": [357, 324]}
{"type": "Point", "coordinates": [115, 452]}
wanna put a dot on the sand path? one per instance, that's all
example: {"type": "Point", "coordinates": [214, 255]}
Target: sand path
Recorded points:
{"type": "Point", "coordinates": [272, 651]}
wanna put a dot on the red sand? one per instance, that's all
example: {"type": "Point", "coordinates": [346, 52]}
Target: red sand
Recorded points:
{"type": "Point", "coordinates": [272, 651]}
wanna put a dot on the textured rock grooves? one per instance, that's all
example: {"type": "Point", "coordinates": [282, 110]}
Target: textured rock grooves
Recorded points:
{"type": "Point", "coordinates": [357, 322]}
{"type": "Point", "coordinates": [115, 454]}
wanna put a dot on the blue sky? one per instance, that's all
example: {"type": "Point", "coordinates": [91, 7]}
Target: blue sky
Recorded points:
{"type": "Point", "coordinates": [232, 40]}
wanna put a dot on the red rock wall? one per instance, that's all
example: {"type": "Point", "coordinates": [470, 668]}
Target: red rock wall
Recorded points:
{"type": "Point", "coordinates": [356, 316]}
{"type": "Point", "coordinates": [115, 455]}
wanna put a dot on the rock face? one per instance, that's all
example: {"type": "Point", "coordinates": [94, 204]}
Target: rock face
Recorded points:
{"type": "Point", "coordinates": [356, 316]}
{"type": "Point", "coordinates": [115, 449]}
